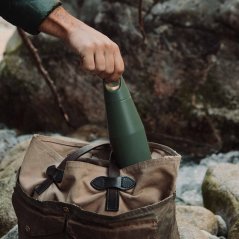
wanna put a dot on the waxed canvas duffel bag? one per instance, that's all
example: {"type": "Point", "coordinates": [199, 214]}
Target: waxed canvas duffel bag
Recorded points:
{"type": "Point", "coordinates": [72, 189]}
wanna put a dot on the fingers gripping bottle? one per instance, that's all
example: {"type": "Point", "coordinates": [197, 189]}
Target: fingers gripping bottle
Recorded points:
{"type": "Point", "coordinates": [126, 131]}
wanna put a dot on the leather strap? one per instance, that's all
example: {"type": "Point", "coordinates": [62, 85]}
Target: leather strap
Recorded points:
{"type": "Point", "coordinates": [112, 200]}
{"type": "Point", "coordinates": [84, 150]}
{"type": "Point", "coordinates": [55, 174]}
{"type": "Point", "coordinates": [121, 183]}
{"type": "Point", "coordinates": [112, 196]}
{"type": "Point", "coordinates": [71, 157]}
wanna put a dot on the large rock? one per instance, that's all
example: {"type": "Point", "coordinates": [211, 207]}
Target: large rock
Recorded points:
{"type": "Point", "coordinates": [8, 168]}
{"type": "Point", "coordinates": [184, 74]}
{"type": "Point", "coordinates": [198, 217]}
{"type": "Point", "coordinates": [8, 139]}
{"type": "Point", "coordinates": [191, 232]}
{"type": "Point", "coordinates": [221, 195]}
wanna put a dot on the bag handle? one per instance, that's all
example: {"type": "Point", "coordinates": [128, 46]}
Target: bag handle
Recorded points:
{"type": "Point", "coordinates": [112, 184]}
{"type": "Point", "coordinates": [56, 173]}
{"type": "Point", "coordinates": [84, 150]}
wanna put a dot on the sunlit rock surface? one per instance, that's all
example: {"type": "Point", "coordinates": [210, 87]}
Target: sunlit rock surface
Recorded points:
{"type": "Point", "coordinates": [6, 30]}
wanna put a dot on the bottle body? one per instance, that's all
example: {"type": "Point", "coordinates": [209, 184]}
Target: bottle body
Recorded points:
{"type": "Point", "coordinates": [126, 130]}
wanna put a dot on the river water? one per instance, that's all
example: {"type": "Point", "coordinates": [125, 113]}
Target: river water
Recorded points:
{"type": "Point", "coordinates": [191, 176]}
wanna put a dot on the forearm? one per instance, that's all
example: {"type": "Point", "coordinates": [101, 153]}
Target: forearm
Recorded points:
{"type": "Point", "coordinates": [98, 53]}
{"type": "Point", "coordinates": [59, 23]}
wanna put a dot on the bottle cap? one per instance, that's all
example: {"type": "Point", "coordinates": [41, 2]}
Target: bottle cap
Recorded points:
{"type": "Point", "coordinates": [116, 91]}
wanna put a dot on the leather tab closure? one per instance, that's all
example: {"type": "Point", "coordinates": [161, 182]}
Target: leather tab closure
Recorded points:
{"type": "Point", "coordinates": [55, 174]}
{"type": "Point", "coordinates": [112, 200]}
{"type": "Point", "coordinates": [113, 185]}
{"type": "Point", "coordinates": [121, 183]}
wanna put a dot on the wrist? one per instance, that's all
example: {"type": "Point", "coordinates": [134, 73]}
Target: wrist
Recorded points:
{"type": "Point", "coordinates": [60, 24]}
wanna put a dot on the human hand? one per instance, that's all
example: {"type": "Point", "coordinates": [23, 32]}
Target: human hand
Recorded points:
{"type": "Point", "coordinates": [98, 53]}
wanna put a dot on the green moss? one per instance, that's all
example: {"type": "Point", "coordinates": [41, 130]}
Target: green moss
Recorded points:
{"type": "Point", "coordinates": [234, 231]}
{"type": "Point", "coordinates": [220, 200]}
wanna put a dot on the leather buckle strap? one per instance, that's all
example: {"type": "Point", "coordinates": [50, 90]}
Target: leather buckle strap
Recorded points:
{"type": "Point", "coordinates": [112, 196]}
{"type": "Point", "coordinates": [121, 183]}
{"type": "Point", "coordinates": [55, 174]}
{"type": "Point", "coordinates": [113, 185]}
{"type": "Point", "coordinates": [112, 200]}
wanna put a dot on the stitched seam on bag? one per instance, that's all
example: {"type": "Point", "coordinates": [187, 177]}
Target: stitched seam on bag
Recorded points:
{"type": "Point", "coordinates": [84, 165]}
{"type": "Point", "coordinates": [117, 224]}
{"type": "Point", "coordinates": [164, 148]}
{"type": "Point", "coordinates": [147, 208]}
{"type": "Point", "coordinates": [60, 141]}
{"type": "Point", "coordinates": [125, 215]}
{"type": "Point", "coordinates": [150, 163]}
{"type": "Point", "coordinates": [64, 144]}
{"type": "Point", "coordinates": [51, 153]}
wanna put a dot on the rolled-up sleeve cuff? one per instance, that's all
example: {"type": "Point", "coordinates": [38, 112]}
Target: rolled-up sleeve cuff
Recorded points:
{"type": "Point", "coordinates": [29, 14]}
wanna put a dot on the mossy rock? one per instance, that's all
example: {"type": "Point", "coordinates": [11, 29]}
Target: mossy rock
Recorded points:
{"type": "Point", "coordinates": [221, 195]}
{"type": "Point", "coordinates": [8, 169]}
{"type": "Point", "coordinates": [198, 217]}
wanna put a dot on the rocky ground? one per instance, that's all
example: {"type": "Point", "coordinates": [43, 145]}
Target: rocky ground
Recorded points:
{"type": "Point", "coordinates": [218, 218]}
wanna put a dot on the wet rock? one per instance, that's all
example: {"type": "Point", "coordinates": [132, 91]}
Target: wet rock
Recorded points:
{"type": "Point", "coordinates": [221, 195]}
{"type": "Point", "coordinates": [8, 168]}
{"type": "Point", "coordinates": [8, 139]}
{"type": "Point", "coordinates": [191, 232]}
{"type": "Point", "coordinates": [198, 217]}
{"type": "Point", "coordinates": [181, 75]}
{"type": "Point", "coordinates": [12, 234]}
{"type": "Point", "coordinates": [222, 226]}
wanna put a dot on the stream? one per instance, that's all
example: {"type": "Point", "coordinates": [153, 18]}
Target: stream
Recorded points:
{"type": "Point", "coordinates": [191, 176]}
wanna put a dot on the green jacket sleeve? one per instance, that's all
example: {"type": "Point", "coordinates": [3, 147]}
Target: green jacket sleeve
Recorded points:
{"type": "Point", "coordinates": [27, 14]}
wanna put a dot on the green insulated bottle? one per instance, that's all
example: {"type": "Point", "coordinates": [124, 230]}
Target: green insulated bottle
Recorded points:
{"type": "Point", "coordinates": [126, 130]}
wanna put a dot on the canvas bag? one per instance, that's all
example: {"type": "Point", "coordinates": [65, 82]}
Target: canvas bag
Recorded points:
{"type": "Point", "coordinates": [87, 197]}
